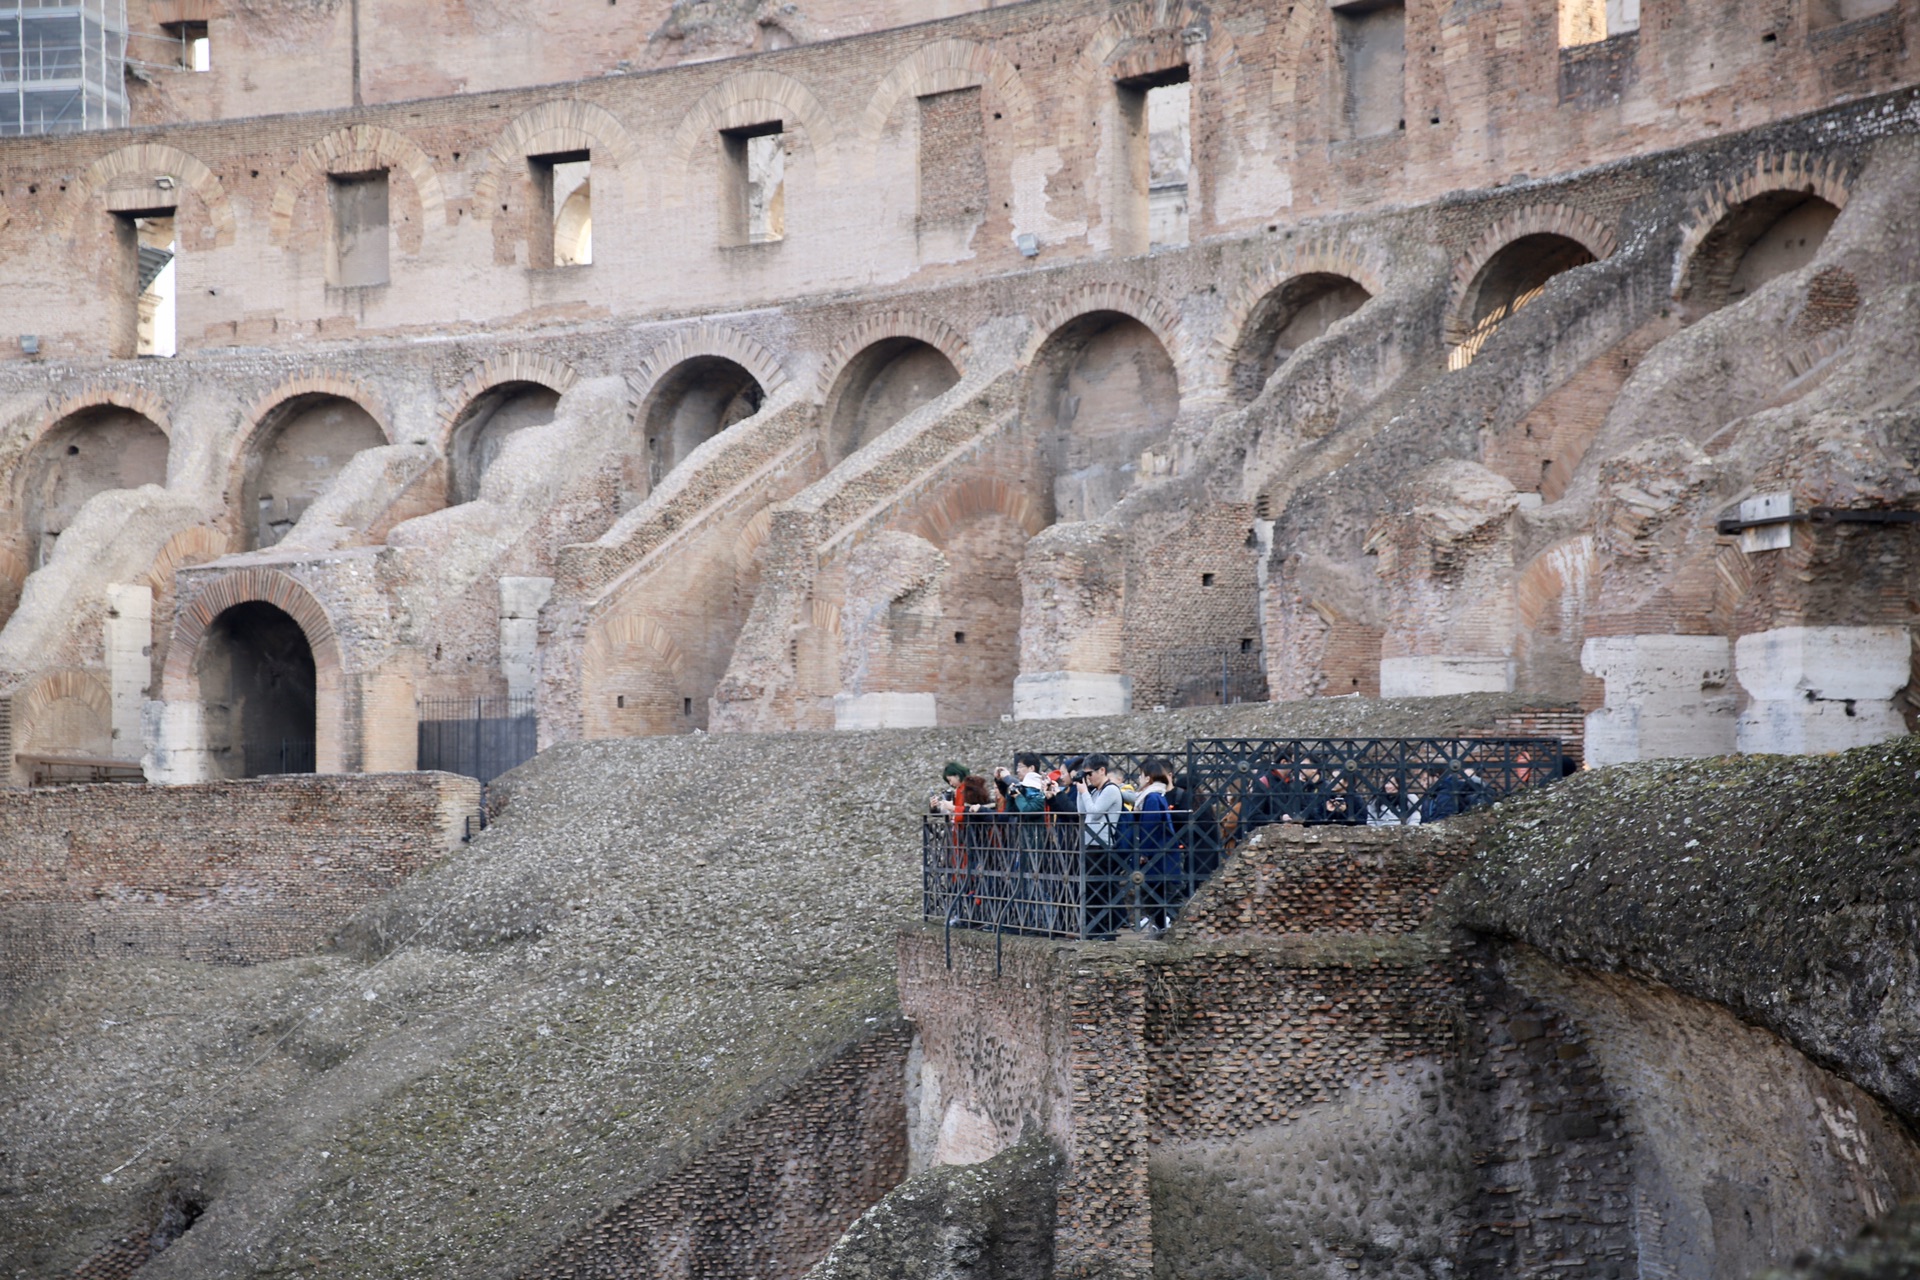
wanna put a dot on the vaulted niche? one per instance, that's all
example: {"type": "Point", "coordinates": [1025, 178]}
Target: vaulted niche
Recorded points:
{"type": "Point", "coordinates": [1508, 281]}
{"type": "Point", "coordinates": [695, 401]}
{"type": "Point", "coordinates": [257, 689]}
{"type": "Point", "coordinates": [1101, 389]}
{"type": "Point", "coordinates": [1757, 240]}
{"type": "Point", "coordinates": [489, 422]}
{"type": "Point", "coordinates": [85, 454]}
{"type": "Point", "coordinates": [880, 386]}
{"type": "Point", "coordinates": [1293, 315]}
{"type": "Point", "coordinates": [299, 447]}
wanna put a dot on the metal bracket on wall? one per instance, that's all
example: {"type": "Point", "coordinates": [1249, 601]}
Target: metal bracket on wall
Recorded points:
{"type": "Point", "coordinates": [1818, 515]}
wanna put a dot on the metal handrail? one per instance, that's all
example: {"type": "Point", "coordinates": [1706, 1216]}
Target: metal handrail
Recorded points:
{"type": "Point", "coordinates": [1041, 874]}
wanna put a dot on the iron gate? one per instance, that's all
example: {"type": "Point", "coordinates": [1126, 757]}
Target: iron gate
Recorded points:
{"type": "Point", "coordinates": [479, 737]}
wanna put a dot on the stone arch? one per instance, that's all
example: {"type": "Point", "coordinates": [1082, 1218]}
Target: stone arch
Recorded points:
{"type": "Point", "coordinates": [635, 680]}
{"type": "Point", "coordinates": [1331, 256]}
{"type": "Point", "coordinates": [316, 383]}
{"type": "Point", "coordinates": [753, 536]}
{"type": "Point", "coordinates": [141, 158]}
{"type": "Point", "coordinates": [206, 600]}
{"type": "Point", "coordinates": [1128, 300]}
{"type": "Point", "coordinates": [276, 411]}
{"type": "Point", "coordinates": [881, 373]}
{"type": "Point", "coordinates": [548, 371]}
{"type": "Point", "coordinates": [40, 703]}
{"type": "Point", "coordinates": [1335, 279]}
{"type": "Point", "coordinates": [184, 549]}
{"type": "Point", "coordinates": [936, 333]}
{"type": "Point", "coordinates": [118, 442]}
{"type": "Point", "coordinates": [942, 67]}
{"type": "Point", "coordinates": [1722, 225]}
{"type": "Point", "coordinates": [140, 400]}
{"type": "Point", "coordinates": [563, 124]}
{"type": "Point", "coordinates": [707, 339]}
{"type": "Point", "coordinates": [1551, 595]}
{"type": "Point", "coordinates": [1539, 240]}
{"type": "Point", "coordinates": [748, 97]}
{"type": "Point", "coordinates": [976, 497]}
{"type": "Point", "coordinates": [1101, 389]}
{"type": "Point", "coordinates": [356, 148]}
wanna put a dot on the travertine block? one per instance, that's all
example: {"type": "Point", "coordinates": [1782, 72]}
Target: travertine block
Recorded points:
{"type": "Point", "coordinates": [1821, 688]}
{"type": "Point", "coordinates": [1062, 695]}
{"type": "Point", "coordinates": [1666, 696]}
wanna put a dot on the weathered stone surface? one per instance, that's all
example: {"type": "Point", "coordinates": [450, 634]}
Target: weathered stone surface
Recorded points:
{"type": "Point", "coordinates": [986, 1221]}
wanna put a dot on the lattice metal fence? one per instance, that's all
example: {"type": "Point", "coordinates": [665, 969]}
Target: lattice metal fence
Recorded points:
{"type": "Point", "coordinates": [1046, 874]}
{"type": "Point", "coordinates": [479, 737]}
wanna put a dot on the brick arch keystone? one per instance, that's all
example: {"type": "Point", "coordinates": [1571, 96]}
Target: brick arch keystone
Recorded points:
{"type": "Point", "coordinates": [149, 158]}
{"type": "Point", "coordinates": [1333, 256]}
{"type": "Point", "coordinates": [615, 634]}
{"type": "Point", "coordinates": [942, 67]}
{"type": "Point", "coordinates": [935, 332]}
{"type": "Point", "coordinates": [564, 124]}
{"type": "Point", "coordinates": [188, 547]}
{"type": "Point", "coordinates": [319, 382]}
{"type": "Point", "coordinates": [824, 616]}
{"type": "Point", "coordinates": [1569, 567]}
{"type": "Point", "coordinates": [1539, 219]}
{"type": "Point", "coordinates": [979, 496]}
{"type": "Point", "coordinates": [204, 602]}
{"type": "Point", "coordinates": [141, 400]}
{"type": "Point", "coordinates": [706, 339]}
{"type": "Point", "coordinates": [748, 97]}
{"type": "Point", "coordinates": [352, 149]}
{"type": "Point", "coordinates": [1770, 172]}
{"type": "Point", "coordinates": [752, 537]}
{"type": "Point", "coordinates": [57, 686]}
{"type": "Point", "coordinates": [551, 372]}
{"type": "Point", "coordinates": [1159, 316]}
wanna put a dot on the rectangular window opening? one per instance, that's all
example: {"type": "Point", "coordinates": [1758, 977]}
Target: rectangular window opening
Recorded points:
{"type": "Point", "coordinates": [561, 234]}
{"type": "Point", "coordinates": [1591, 21]}
{"type": "Point", "coordinates": [1150, 204]}
{"type": "Point", "coordinates": [754, 184]}
{"type": "Point", "coordinates": [1371, 37]}
{"type": "Point", "coordinates": [194, 48]}
{"type": "Point", "coordinates": [358, 204]}
{"type": "Point", "coordinates": [154, 280]}
{"type": "Point", "coordinates": [686, 706]}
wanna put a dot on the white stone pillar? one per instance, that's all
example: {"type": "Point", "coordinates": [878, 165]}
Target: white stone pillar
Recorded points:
{"type": "Point", "coordinates": [175, 734]}
{"type": "Point", "coordinates": [883, 711]}
{"type": "Point", "coordinates": [521, 600]}
{"type": "Point", "coordinates": [1435, 675]}
{"type": "Point", "coordinates": [129, 645]}
{"type": "Point", "coordinates": [1816, 689]}
{"type": "Point", "coordinates": [1068, 695]}
{"type": "Point", "coordinates": [1667, 696]}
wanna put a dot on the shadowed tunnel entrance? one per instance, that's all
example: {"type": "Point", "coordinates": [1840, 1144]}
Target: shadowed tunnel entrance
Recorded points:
{"type": "Point", "coordinates": [258, 687]}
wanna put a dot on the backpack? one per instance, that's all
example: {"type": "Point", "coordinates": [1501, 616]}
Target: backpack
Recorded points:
{"type": "Point", "coordinates": [1026, 799]}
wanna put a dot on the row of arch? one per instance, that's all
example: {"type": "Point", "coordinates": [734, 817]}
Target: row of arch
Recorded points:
{"type": "Point", "coordinates": [1769, 220]}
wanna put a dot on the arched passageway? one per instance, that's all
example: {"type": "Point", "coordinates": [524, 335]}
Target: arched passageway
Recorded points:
{"type": "Point", "coordinates": [1293, 315]}
{"type": "Point", "coordinates": [1757, 240]}
{"type": "Point", "coordinates": [87, 453]}
{"type": "Point", "coordinates": [1101, 390]}
{"type": "Point", "coordinates": [695, 401]}
{"type": "Point", "coordinates": [258, 692]}
{"type": "Point", "coordinates": [485, 426]}
{"type": "Point", "coordinates": [297, 450]}
{"type": "Point", "coordinates": [1508, 281]}
{"type": "Point", "coordinates": [879, 387]}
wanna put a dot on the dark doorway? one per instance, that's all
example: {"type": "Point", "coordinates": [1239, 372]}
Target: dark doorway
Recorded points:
{"type": "Point", "coordinates": [257, 676]}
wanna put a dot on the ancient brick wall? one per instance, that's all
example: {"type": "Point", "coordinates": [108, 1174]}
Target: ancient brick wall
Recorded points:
{"type": "Point", "coordinates": [1293, 880]}
{"type": "Point", "coordinates": [771, 1197]}
{"type": "Point", "coordinates": [230, 872]}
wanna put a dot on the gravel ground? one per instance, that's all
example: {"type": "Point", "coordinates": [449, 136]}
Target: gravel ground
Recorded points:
{"type": "Point", "coordinates": [657, 936]}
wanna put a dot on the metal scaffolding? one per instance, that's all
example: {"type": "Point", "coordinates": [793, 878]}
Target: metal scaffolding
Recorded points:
{"type": "Point", "coordinates": [62, 65]}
